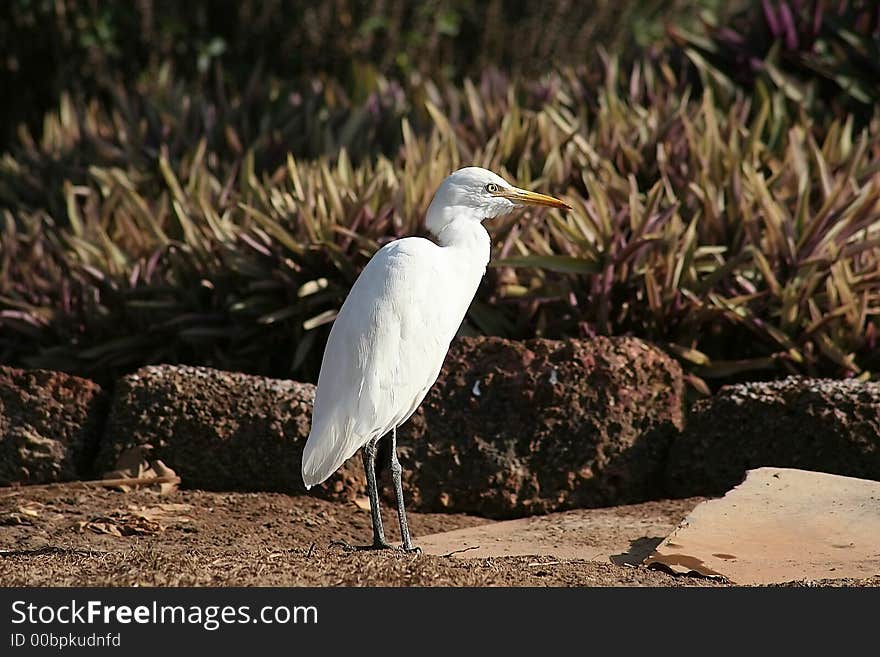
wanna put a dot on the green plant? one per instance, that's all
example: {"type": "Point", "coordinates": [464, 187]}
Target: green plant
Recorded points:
{"type": "Point", "coordinates": [821, 55]}
{"type": "Point", "coordinates": [734, 232]}
{"type": "Point", "coordinates": [56, 46]}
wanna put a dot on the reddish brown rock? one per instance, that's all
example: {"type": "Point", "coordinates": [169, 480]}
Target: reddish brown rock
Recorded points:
{"type": "Point", "coordinates": [551, 425]}
{"type": "Point", "coordinates": [518, 428]}
{"type": "Point", "coordinates": [50, 423]}
{"type": "Point", "coordinates": [811, 424]}
{"type": "Point", "coordinates": [221, 430]}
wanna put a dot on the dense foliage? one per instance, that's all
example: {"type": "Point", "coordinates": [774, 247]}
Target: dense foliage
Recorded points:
{"type": "Point", "coordinates": [822, 55]}
{"type": "Point", "coordinates": [86, 46]}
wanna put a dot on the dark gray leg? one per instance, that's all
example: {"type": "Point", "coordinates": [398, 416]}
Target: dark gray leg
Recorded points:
{"type": "Point", "coordinates": [369, 455]}
{"type": "Point", "coordinates": [379, 543]}
{"type": "Point", "coordinates": [398, 492]}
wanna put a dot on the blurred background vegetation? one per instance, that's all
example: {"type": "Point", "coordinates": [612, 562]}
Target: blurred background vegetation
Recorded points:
{"type": "Point", "coordinates": [201, 182]}
{"type": "Point", "coordinates": [85, 46]}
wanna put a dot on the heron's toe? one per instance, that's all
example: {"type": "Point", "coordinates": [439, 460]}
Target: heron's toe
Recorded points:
{"type": "Point", "coordinates": [345, 545]}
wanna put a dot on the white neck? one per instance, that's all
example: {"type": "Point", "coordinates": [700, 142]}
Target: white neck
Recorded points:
{"type": "Point", "coordinates": [468, 236]}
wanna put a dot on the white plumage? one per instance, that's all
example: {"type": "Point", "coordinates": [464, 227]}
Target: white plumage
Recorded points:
{"type": "Point", "coordinates": [386, 348]}
{"type": "Point", "coordinates": [388, 342]}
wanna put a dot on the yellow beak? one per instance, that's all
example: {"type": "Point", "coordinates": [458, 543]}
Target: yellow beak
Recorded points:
{"type": "Point", "coordinates": [525, 197]}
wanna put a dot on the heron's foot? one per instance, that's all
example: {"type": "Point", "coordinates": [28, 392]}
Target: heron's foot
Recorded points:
{"type": "Point", "coordinates": [376, 545]}
{"type": "Point", "coordinates": [412, 549]}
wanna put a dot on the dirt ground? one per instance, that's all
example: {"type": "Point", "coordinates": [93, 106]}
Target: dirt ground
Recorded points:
{"type": "Point", "coordinates": [82, 537]}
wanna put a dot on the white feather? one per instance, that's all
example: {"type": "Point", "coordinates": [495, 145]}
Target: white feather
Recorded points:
{"type": "Point", "coordinates": [387, 346]}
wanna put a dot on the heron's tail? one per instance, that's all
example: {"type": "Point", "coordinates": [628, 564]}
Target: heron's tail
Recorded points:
{"type": "Point", "coordinates": [312, 471]}
{"type": "Point", "coordinates": [324, 452]}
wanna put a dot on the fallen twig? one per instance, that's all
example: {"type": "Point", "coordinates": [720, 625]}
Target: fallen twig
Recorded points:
{"type": "Point", "coordinates": [472, 547]}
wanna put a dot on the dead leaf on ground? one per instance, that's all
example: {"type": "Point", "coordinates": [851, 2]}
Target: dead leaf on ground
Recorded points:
{"type": "Point", "coordinates": [24, 514]}
{"type": "Point", "coordinates": [122, 524]}
{"type": "Point", "coordinates": [174, 506]}
{"type": "Point", "coordinates": [13, 518]}
{"type": "Point", "coordinates": [31, 509]}
{"type": "Point", "coordinates": [362, 502]}
{"type": "Point", "coordinates": [134, 463]}
{"type": "Point", "coordinates": [165, 512]}
{"type": "Point", "coordinates": [161, 470]}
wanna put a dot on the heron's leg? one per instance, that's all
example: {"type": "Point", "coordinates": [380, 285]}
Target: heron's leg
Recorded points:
{"type": "Point", "coordinates": [398, 492]}
{"type": "Point", "coordinates": [369, 455]}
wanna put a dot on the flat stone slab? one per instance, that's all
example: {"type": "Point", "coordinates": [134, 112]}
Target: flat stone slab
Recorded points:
{"type": "Point", "coordinates": [621, 535]}
{"type": "Point", "coordinates": [781, 525]}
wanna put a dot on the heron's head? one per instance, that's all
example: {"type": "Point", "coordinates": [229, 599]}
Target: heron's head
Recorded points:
{"type": "Point", "coordinates": [476, 194]}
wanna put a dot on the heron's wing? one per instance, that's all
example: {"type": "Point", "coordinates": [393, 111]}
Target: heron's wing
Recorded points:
{"type": "Point", "coordinates": [385, 350]}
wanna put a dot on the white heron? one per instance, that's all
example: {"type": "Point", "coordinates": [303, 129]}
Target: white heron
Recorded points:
{"type": "Point", "coordinates": [392, 333]}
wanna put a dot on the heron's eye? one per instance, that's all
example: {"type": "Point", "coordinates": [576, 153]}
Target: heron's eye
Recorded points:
{"type": "Point", "coordinates": [491, 188]}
